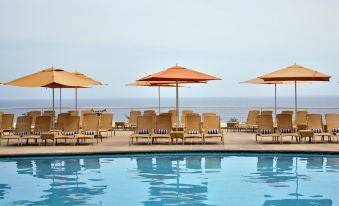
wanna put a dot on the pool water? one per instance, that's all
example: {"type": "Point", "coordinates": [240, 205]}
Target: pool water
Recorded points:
{"type": "Point", "coordinates": [171, 179]}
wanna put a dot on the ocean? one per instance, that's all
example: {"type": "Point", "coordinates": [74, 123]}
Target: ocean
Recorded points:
{"type": "Point", "coordinates": [227, 107]}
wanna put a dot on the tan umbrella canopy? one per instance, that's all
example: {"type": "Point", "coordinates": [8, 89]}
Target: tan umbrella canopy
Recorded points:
{"type": "Point", "coordinates": [51, 78]}
{"type": "Point", "coordinates": [295, 73]}
{"type": "Point", "coordinates": [154, 84]}
{"type": "Point", "coordinates": [178, 74]}
{"type": "Point", "coordinates": [261, 81]}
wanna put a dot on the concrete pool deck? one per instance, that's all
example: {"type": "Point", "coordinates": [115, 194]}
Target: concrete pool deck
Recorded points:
{"type": "Point", "coordinates": [234, 142]}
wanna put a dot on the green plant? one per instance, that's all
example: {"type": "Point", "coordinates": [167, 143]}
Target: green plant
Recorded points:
{"type": "Point", "coordinates": [99, 111]}
{"type": "Point", "coordinates": [233, 119]}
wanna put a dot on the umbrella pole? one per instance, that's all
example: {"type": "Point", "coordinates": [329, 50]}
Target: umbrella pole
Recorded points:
{"type": "Point", "coordinates": [295, 98]}
{"type": "Point", "coordinates": [60, 102]}
{"type": "Point", "coordinates": [177, 104]}
{"type": "Point", "coordinates": [159, 98]}
{"type": "Point", "coordinates": [275, 100]}
{"type": "Point", "coordinates": [53, 108]}
{"type": "Point", "coordinates": [76, 99]}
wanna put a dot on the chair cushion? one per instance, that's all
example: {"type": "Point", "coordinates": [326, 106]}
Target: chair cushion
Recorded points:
{"type": "Point", "coordinates": [193, 132]}
{"type": "Point", "coordinates": [37, 133]}
{"type": "Point", "coordinates": [212, 131]}
{"type": "Point", "coordinates": [335, 130]}
{"type": "Point", "coordinates": [266, 131]}
{"type": "Point", "coordinates": [143, 131]}
{"type": "Point", "coordinates": [317, 130]}
{"type": "Point", "coordinates": [161, 131]}
{"type": "Point", "coordinates": [89, 132]}
{"type": "Point", "coordinates": [70, 133]}
{"type": "Point", "coordinates": [21, 133]}
{"type": "Point", "coordinates": [285, 131]}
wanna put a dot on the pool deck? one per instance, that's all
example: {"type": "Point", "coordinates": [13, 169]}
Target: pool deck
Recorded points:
{"type": "Point", "coordinates": [234, 142]}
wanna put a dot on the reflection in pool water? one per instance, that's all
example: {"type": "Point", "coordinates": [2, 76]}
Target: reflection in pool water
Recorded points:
{"type": "Point", "coordinates": [171, 179]}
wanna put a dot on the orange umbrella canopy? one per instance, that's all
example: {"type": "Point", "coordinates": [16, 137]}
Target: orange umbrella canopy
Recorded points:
{"type": "Point", "coordinates": [51, 78]}
{"type": "Point", "coordinates": [179, 74]}
{"type": "Point", "coordinates": [261, 81]}
{"type": "Point", "coordinates": [295, 73]}
{"type": "Point", "coordinates": [153, 84]}
{"type": "Point", "coordinates": [87, 78]}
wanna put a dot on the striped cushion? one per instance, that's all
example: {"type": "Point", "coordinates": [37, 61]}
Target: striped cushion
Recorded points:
{"type": "Point", "coordinates": [286, 131]}
{"type": "Point", "coordinates": [143, 131]}
{"type": "Point", "coordinates": [37, 133]}
{"type": "Point", "coordinates": [266, 131]}
{"type": "Point", "coordinates": [70, 133]}
{"type": "Point", "coordinates": [161, 131]}
{"type": "Point", "coordinates": [193, 132]}
{"type": "Point", "coordinates": [212, 131]}
{"type": "Point", "coordinates": [89, 132]}
{"type": "Point", "coordinates": [335, 130]}
{"type": "Point", "coordinates": [21, 133]}
{"type": "Point", "coordinates": [317, 130]}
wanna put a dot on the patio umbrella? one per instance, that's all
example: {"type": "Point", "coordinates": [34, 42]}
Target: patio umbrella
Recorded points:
{"type": "Point", "coordinates": [261, 81]}
{"type": "Point", "coordinates": [179, 75]}
{"type": "Point", "coordinates": [154, 84]}
{"type": "Point", "coordinates": [51, 78]}
{"type": "Point", "coordinates": [295, 73]}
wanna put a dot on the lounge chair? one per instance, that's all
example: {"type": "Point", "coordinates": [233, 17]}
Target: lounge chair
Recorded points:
{"type": "Point", "coordinates": [132, 119]}
{"type": "Point", "coordinates": [163, 128]}
{"type": "Point", "coordinates": [59, 126]}
{"type": "Point", "coordinates": [315, 123]}
{"type": "Point", "coordinates": [266, 112]}
{"type": "Point", "coordinates": [266, 128]}
{"type": "Point", "coordinates": [73, 113]}
{"type": "Point", "coordinates": [332, 121]}
{"type": "Point", "coordinates": [174, 117]}
{"type": "Point", "coordinates": [193, 128]}
{"type": "Point", "coordinates": [154, 116]}
{"type": "Point", "coordinates": [42, 126]}
{"type": "Point", "coordinates": [71, 128]}
{"type": "Point", "coordinates": [90, 128]}
{"type": "Point", "coordinates": [106, 124]}
{"type": "Point", "coordinates": [23, 128]}
{"type": "Point", "coordinates": [183, 117]}
{"type": "Point", "coordinates": [252, 121]}
{"type": "Point", "coordinates": [287, 112]}
{"type": "Point", "coordinates": [143, 130]}
{"type": "Point", "coordinates": [301, 119]}
{"type": "Point", "coordinates": [34, 115]}
{"type": "Point", "coordinates": [6, 123]}
{"type": "Point", "coordinates": [149, 112]}
{"type": "Point", "coordinates": [50, 113]}
{"type": "Point", "coordinates": [285, 127]}
{"type": "Point", "coordinates": [211, 128]}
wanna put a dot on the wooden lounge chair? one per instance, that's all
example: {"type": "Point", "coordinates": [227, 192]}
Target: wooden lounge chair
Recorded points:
{"type": "Point", "coordinates": [211, 128]}
{"type": "Point", "coordinates": [163, 128]}
{"type": "Point", "coordinates": [183, 117]}
{"type": "Point", "coordinates": [252, 121]}
{"type": "Point", "coordinates": [332, 121]}
{"type": "Point", "coordinates": [315, 123]}
{"type": "Point", "coordinates": [73, 113]}
{"type": "Point", "coordinates": [193, 128]}
{"type": "Point", "coordinates": [132, 119]}
{"type": "Point", "coordinates": [106, 124]}
{"type": "Point", "coordinates": [149, 112]}
{"type": "Point", "coordinates": [59, 126]}
{"type": "Point", "coordinates": [34, 115]}
{"type": "Point", "coordinates": [266, 128]}
{"type": "Point", "coordinates": [42, 126]}
{"type": "Point", "coordinates": [50, 113]}
{"type": "Point", "coordinates": [23, 128]}
{"type": "Point", "coordinates": [90, 128]}
{"type": "Point", "coordinates": [143, 130]}
{"type": "Point", "coordinates": [6, 123]}
{"type": "Point", "coordinates": [301, 119]}
{"type": "Point", "coordinates": [266, 112]}
{"type": "Point", "coordinates": [287, 112]}
{"type": "Point", "coordinates": [71, 128]}
{"type": "Point", "coordinates": [285, 127]}
{"type": "Point", "coordinates": [174, 117]}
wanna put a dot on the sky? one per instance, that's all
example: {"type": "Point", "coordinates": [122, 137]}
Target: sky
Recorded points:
{"type": "Point", "coordinates": [119, 41]}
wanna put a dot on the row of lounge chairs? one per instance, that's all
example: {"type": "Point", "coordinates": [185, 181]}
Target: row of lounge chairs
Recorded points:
{"type": "Point", "coordinates": [152, 128]}
{"type": "Point", "coordinates": [313, 128]}
{"type": "Point", "coordinates": [67, 127]}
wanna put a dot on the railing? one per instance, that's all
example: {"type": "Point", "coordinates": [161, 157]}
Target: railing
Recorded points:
{"type": "Point", "coordinates": [226, 112]}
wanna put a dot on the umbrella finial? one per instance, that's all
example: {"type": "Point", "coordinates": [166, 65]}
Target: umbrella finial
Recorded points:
{"type": "Point", "coordinates": [176, 64]}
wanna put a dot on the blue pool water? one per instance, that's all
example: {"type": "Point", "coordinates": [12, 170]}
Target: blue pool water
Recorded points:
{"type": "Point", "coordinates": [171, 179]}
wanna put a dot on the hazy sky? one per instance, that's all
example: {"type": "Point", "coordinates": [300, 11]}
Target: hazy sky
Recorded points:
{"type": "Point", "coordinates": [118, 41]}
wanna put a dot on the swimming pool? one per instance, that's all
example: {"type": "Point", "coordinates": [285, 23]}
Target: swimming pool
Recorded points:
{"type": "Point", "coordinates": [171, 179]}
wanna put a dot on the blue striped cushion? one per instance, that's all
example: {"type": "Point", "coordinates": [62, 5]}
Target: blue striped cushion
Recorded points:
{"type": "Point", "coordinates": [70, 133]}
{"type": "Point", "coordinates": [212, 131]}
{"type": "Point", "coordinates": [37, 133]}
{"type": "Point", "coordinates": [266, 131]}
{"type": "Point", "coordinates": [89, 132]}
{"type": "Point", "coordinates": [193, 132]}
{"type": "Point", "coordinates": [161, 131]}
{"type": "Point", "coordinates": [317, 130]}
{"type": "Point", "coordinates": [335, 130]}
{"type": "Point", "coordinates": [143, 131]}
{"type": "Point", "coordinates": [286, 131]}
{"type": "Point", "coordinates": [21, 133]}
